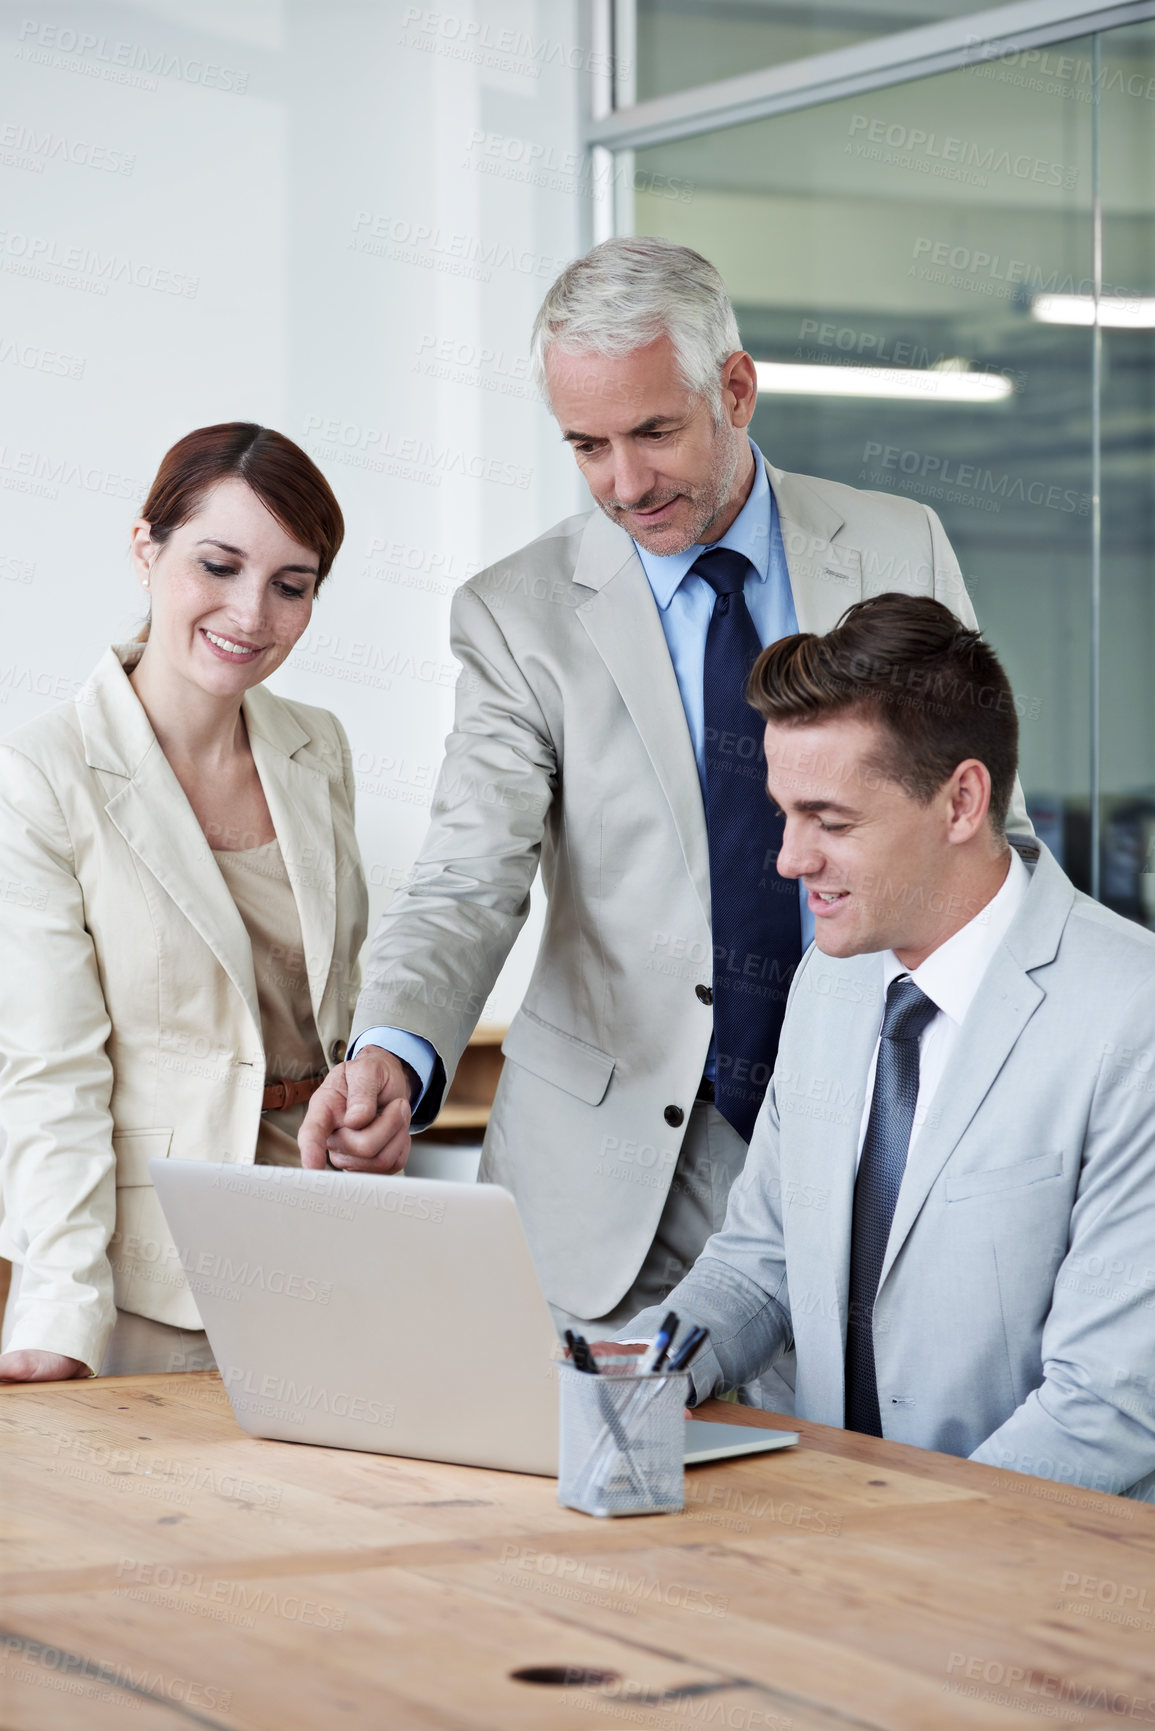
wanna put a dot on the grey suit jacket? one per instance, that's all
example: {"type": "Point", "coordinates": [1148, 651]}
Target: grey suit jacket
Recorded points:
{"type": "Point", "coordinates": [1015, 1318]}
{"type": "Point", "coordinates": [570, 745]}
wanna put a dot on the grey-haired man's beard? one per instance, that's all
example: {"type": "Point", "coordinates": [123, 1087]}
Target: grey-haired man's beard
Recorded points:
{"type": "Point", "coordinates": [709, 501]}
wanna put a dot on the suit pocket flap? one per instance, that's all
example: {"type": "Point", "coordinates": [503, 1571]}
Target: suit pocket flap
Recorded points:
{"type": "Point", "coordinates": [134, 1149]}
{"type": "Point", "coordinates": [559, 1058]}
{"type": "Point", "coordinates": [995, 1178]}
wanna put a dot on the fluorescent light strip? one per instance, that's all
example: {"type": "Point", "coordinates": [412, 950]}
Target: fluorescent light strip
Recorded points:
{"type": "Point", "coordinates": [1116, 312]}
{"type": "Point", "coordinates": [793, 379]}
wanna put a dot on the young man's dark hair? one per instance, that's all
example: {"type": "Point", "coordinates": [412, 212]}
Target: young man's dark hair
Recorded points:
{"type": "Point", "coordinates": [936, 688]}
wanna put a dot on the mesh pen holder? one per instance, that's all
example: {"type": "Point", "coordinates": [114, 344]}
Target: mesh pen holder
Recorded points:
{"type": "Point", "coordinates": [622, 1441]}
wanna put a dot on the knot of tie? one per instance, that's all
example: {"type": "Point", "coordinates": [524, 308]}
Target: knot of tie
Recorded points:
{"type": "Point", "coordinates": [724, 569]}
{"type": "Point", "coordinates": [908, 1010]}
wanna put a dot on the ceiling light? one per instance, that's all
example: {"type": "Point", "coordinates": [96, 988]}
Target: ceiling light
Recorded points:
{"type": "Point", "coordinates": [947, 382]}
{"type": "Point", "coordinates": [1116, 312]}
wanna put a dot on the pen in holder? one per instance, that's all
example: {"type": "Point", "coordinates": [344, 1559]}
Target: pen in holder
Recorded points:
{"type": "Point", "coordinates": [622, 1440]}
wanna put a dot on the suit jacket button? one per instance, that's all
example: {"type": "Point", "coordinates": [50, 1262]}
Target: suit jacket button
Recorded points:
{"type": "Point", "coordinates": [337, 1051]}
{"type": "Point", "coordinates": [673, 1116]}
{"type": "Point", "coordinates": [704, 994]}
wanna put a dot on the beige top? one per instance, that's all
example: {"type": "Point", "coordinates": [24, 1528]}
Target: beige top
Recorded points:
{"type": "Point", "coordinates": [259, 885]}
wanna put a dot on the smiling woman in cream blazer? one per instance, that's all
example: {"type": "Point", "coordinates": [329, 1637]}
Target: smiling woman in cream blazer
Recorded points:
{"type": "Point", "coordinates": [180, 944]}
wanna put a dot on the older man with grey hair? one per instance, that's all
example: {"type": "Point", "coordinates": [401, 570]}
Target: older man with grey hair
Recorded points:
{"type": "Point", "coordinates": [601, 731]}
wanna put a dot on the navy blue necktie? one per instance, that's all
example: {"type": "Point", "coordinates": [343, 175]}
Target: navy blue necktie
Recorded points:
{"type": "Point", "coordinates": [880, 1171]}
{"type": "Point", "coordinates": [755, 918]}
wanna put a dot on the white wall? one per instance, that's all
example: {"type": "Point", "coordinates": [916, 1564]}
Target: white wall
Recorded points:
{"type": "Point", "coordinates": [332, 217]}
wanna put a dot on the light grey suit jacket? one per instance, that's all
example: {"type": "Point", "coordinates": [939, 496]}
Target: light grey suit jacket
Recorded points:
{"type": "Point", "coordinates": [570, 745]}
{"type": "Point", "coordinates": [1015, 1318]}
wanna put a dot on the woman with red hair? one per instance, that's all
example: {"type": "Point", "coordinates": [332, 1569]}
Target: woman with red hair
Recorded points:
{"type": "Point", "coordinates": [180, 967]}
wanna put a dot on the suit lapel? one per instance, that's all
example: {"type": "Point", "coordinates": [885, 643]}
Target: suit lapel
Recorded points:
{"type": "Point", "coordinates": [824, 579]}
{"type": "Point", "coordinates": [819, 1151]}
{"type": "Point", "coordinates": [621, 619]}
{"type": "Point", "coordinates": [1006, 1000]}
{"type": "Point", "coordinates": [153, 815]}
{"type": "Point", "coordinates": [156, 820]}
{"type": "Point", "coordinates": [299, 804]}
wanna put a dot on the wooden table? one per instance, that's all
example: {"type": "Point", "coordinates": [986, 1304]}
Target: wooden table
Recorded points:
{"type": "Point", "coordinates": [163, 1570]}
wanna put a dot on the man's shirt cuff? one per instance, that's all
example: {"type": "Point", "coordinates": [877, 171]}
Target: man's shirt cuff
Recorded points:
{"type": "Point", "coordinates": [410, 1048]}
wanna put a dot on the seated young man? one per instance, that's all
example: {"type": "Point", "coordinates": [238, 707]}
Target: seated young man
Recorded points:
{"type": "Point", "coordinates": [948, 1208]}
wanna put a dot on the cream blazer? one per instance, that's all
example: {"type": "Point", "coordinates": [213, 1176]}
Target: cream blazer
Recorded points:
{"type": "Point", "coordinates": [570, 747]}
{"type": "Point", "coordinates": [129, 1024]}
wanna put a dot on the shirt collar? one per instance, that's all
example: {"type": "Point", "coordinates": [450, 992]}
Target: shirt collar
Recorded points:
{"type": "Point", "coordinates": [952, 974]}
{"type": "Point", "coordinates": [750, 533]}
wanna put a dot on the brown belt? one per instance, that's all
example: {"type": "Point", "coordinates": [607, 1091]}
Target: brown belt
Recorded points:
{"type": "Point", "coordinates": [279, 1096]}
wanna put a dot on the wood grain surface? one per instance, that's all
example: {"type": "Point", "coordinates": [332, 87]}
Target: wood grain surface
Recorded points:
{"type": "Point", "coordinates": [163, 1570]}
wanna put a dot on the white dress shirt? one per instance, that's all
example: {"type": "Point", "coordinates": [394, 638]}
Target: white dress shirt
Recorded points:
{"type": "Point", "coordinates": [950, 977]}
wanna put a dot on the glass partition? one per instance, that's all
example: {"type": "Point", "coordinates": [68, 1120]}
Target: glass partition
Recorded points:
{"type": "Point", "coordinates": [900, 245]}
{"type": "Point", "coordinates": [682, 43]}
{"type": "Point", "coordinates": [1127, 401]}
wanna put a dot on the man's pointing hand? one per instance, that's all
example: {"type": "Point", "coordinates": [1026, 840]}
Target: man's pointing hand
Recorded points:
{"type": "Point", "coordinates": [358, 1120]}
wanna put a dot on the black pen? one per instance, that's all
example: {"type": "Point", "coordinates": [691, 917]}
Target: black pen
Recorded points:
{"type": "Point", "coordinates": [689, 1348]}
{"type": "Point", "coordinates": [580, 1352]}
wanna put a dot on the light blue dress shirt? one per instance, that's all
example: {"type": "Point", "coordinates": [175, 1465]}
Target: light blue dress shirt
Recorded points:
{"type": "Point", "coordinates": [685, 603]}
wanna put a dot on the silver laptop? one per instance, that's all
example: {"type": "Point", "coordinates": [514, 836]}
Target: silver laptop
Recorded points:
{"type": "Point", "coordinates": [400, 1316]}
